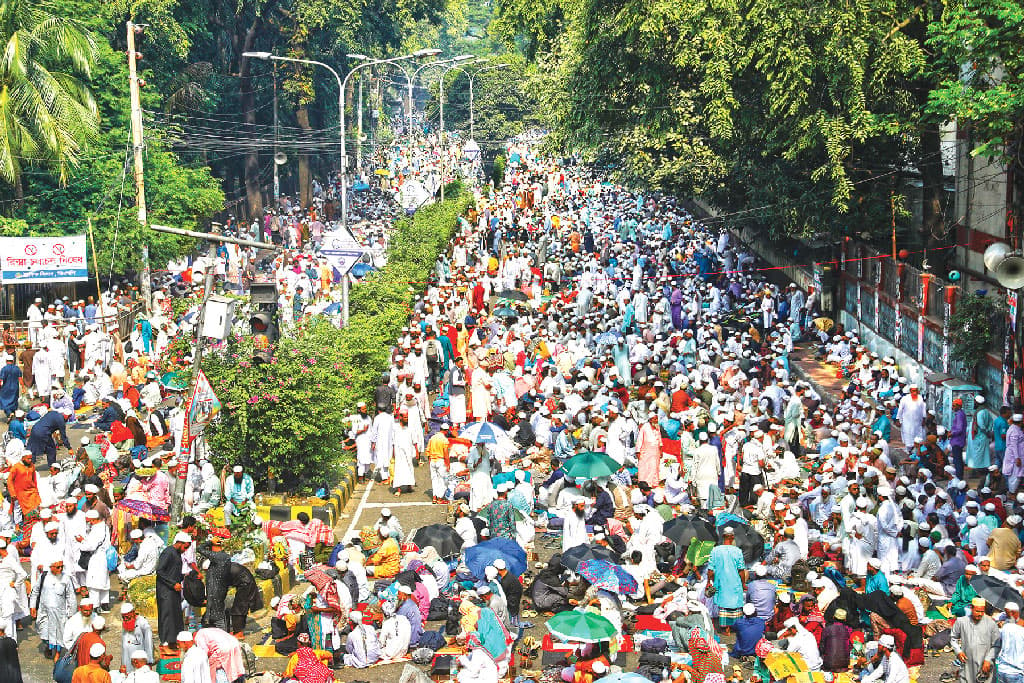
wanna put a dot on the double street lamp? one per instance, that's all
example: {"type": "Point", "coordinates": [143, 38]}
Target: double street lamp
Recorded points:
{"type": "Point", "coordinates": [365, 61]}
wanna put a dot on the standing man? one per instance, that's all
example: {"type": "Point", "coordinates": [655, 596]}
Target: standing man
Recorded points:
{"type": "Point", "coordinates": [35, 321]}
{"type": "Point", "coordinates": [980, 438]}
{"type": "Point", "coordinates": [1013, 458]}
{"type": "Point", "coordinates": [727, 572]}
{"type": "Point", "coordinates": [890, 523]}
{"type": "Point", "coordinates": [974, 640]}
{"type": "Point", "coordinates": [1010, 647]}
{"type": "Point", "coordinates": [361, 424]}
{"type": "Point", "coordinates": [910, 415]}
{"type": "Point", "coordinates": [170, 620]}
{"type": "Point", "coordinates": [10, 386]}
{"type": "Point", "coordinates": [958, 436]}
{"type": "Point", "coordinates": [438, 460]}
{"type": "Point", "coordinates": [41, 440]}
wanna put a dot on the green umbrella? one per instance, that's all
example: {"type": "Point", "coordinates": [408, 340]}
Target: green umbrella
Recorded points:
{"type": "Point", "coordinates": [591, 465]}
{"type": "Point", "coordinates": [174, 381]}
{"type": "Point", "coordinates": [585, 627]}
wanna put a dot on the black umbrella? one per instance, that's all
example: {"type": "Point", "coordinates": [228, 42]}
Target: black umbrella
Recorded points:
{"type": "Point", "coordinates": [512, 294]}
{"type": "Point", "coordinates": [747, 540]}
{"type": "Point", "coordinates": [994, 591]}
{"type": "Point", "coordinates": [572, 557]}
{"type": "Point", "coordinates": [441, 537]}
{"type": "Point", "coordinates": [683, 530]}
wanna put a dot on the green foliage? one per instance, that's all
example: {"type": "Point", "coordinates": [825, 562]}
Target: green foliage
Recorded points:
{"type": "Point", "coordinates": [796, 116]}
{"type": "Point", "coordinates": [47, 112]}
{"type": "Point", "coordinates": [498, 172]}
{"type": "Point", "coordinates": [971, 328]}
{"type": "Point", "coordinates": [288, 416]}
{"type": "Point", "coordinates": [982, 67]}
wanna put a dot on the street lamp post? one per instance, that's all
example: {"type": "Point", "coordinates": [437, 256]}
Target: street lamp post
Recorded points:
{"type": "Point", "coordinates": [454, 64]}
{"type": "Point", "coordinates": [342, 82]}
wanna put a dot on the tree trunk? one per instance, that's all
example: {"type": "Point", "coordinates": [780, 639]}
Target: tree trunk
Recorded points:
{"type": "Point", "coordinates": [247, 101]}
{"type": "Point", "coordinates": [930, 166]}
{"type": "Point", "coordinates": [305, 184]}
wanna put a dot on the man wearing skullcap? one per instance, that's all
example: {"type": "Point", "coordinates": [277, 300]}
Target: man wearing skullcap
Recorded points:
{"type": "Point", "coordinates": [362, 647]}
{"type": "Point", "coordinates": [1013, 458]}
{"type": "Point", "coordinates": [94, 668]}
{"type": "Point", "coordinates": [836, 643]}
{"type": "Point", "coordinates": [1004, 545]}
{"type": "Point", "coordinates": [891, 668]}
{"type": "Point", "coordinates": [170, 619]}
{"type": "Point", "coordinates": [980, 435]}
{"type": "Point", "coordinates": [749, 630]}
{"type": "Point", "coordinates": [52, 602]}
{"type": "Point", "coordinates": [974, 639]}
{"type": "Point", "coordinates": [1010, 648]}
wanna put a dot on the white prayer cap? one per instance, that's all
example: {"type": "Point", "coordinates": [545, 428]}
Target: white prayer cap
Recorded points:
{"type": "Point", "coordinates": [136, 533]}
{"type": "Point", "coordinates": [92, 488]}
{"type": "Point", "coordinates": [979, 399]}
{"type": "Point", "coordinates": [127, 608]}
{"type": "Point", "coordinates": [341, 565]}
{"type": "Point", "coordinates": [92, 514]}
{"type": "Point", "coordinates": [875, 562]}
{"type": "Point", "coordinates": [749, 609]}
{"type": "Point", "coordinates": [1011, 607]}
{"type": "Point", "coordinates": [97, 650]}
{"type": "Point", "coordinates": [599, 667]}
{"type": "Point", "coordinates": [404, 590]}
{"type": "Point", "coordinates": [482, 590]}
{"type": "Point", "coordinates": [184, 637]}
{"type": "Point", "coordinates": [45, 513]}
{"type": "Point", "coordinates": [972, 520]}
{"type": "Point", "coordinates": [924, 542]}
{"type": "Point", "coordinates": [887, 641]}
{"type": "Point", "coordinates": [863, 502]}
{"type": "Point", "coordinates": [1013, 520]}
{"type": "Point", "coordinates": [792, 622]}
{"type": "Point", "coordinates": [500, 564]}
{"type": "Point", "coordinates": [386, 512]}
{"type": "Point", "coordinates": [760, 570]}
{"type": "Point", "coordinates": [1017, 417]}
{"type": "Point", "coordinates": [237, 469]}
{"type": "Point", "coordinates": [820, 583]}
{"type": "Point", "coordinates": [98, 623]}
{"type": "Point", "coordinates": [355, 616]}
{"type": "Point", "coordinates": [990, 507]}
{"type": "Point", "coordinates": [52, 526]}
{"type": "Point", "coordinates": [490, 572]}
{"type": "Point", "coordinates": [884, 491]}
{"type": "Point", "coordinates": [182, 537]}
{"type": "Point", "coordinates": [140, 654]}
{"type": "Point", "coordinates": [971, 568]}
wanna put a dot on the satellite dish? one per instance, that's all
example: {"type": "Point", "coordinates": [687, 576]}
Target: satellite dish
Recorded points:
{"type": "Point", "coordinates": [280, 158]}
{"type": "Point", "coordinates": [1010, 271]}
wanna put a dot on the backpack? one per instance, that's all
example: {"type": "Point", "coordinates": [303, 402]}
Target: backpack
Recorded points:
{"type": "Point", "coordinates": [432, 640]}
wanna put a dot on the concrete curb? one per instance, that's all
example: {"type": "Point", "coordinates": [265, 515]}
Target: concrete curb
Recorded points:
{"type": "Point", "coordinates": [287, 576]}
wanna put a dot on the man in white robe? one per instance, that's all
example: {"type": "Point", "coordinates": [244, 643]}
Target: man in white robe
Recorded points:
{"type": "Point", "coordinates": [382, 438]}
{"type": "Point", "coordinates": [195, 663]}
{"type": "Point", "coordinates": [574, 531]}
{"type": "Point", "coordinates": [910, 415]}
{"type": "Point", "coordinates": [890, 523]}
{"type": "Point", "coordinates": [404, 449]}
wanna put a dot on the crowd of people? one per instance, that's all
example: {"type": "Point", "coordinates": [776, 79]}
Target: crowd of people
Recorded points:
{"type": "Point", "coordinates": [592, 377]}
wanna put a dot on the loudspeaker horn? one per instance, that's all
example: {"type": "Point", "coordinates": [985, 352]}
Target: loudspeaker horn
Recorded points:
{"type": "Point", "coordinates": [1010, 271]}
{"type": "Point", "coordinates": [280, 158]}
{"type": "Point", "coordinates": [995, 253]}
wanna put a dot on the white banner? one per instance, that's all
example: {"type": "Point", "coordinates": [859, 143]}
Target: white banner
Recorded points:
{"type": "Point", "coordinates": [43, 259]}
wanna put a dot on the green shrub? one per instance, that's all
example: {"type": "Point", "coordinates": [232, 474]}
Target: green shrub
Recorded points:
{"type": "Point", "coordinates": [289, 416]}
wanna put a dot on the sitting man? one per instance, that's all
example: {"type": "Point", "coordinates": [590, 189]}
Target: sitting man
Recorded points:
{"type": "Point", "coordinates": [386, 562]}
{"type": "Point", "coordinates": [238, 490]}
{"type": "Point", "coordinates": [144, 562]}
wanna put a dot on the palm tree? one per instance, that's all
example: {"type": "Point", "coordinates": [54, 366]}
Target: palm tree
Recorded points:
{"type": "Point", "coordinates": [47, 112]}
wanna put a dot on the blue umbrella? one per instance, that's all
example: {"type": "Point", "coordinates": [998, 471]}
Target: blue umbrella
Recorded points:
{"type": "Point", "coordinates": [360, 186]}
{"type": "Point", "coordinates": [484, 432]}
{"type": "Point", "coordinates": [333, 308]}
{"type": "Point", "coordinates": [361, 269]}
{"type": "Point", "coordinates": [609, 338]}
{"type": "Point", "coordinates": [484, 554]}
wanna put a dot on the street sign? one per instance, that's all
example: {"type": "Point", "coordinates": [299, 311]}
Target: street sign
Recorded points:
{"type": "Point", "coordinates": [342, 238]}
{"type": "Point", "coordinates": [342, 260]}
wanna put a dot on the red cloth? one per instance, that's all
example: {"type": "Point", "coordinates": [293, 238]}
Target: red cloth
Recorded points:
{"type": "Point", "coordinates": [119, 433]}
{"type": "Point", "coordinates": [315, 532]}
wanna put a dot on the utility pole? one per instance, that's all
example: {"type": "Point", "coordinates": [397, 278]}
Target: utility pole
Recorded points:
{"type": "Point", "coordinates": [359, 127]}
{"type": "Point", "coordinates": [277, 179]}
{"type": "Point", "coordinates": [185, 455]}
{"type": "Point", "coordinates": [137, 147]}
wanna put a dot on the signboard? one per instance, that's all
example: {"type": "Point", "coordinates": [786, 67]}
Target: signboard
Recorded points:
{"type": "Point", "coordinates": [43, 259]}
{"type": "Point", "coordinates": [203, 406]}
{"type": "Point", "coordinates": [342, 238]}
{"type": "Point", "coordinates": [342, 260]}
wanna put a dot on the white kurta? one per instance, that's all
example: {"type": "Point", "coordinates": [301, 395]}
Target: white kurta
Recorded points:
{"type": "Point", "coordinates": [97, 540]}
{"type": "Point", "coordinates": [405, 451]}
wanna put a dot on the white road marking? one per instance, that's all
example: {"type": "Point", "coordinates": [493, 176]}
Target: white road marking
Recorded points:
{"type": "Point", "coordinates": [359, 508]}
{"type": "Point", "coordinates": [397, 505]}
